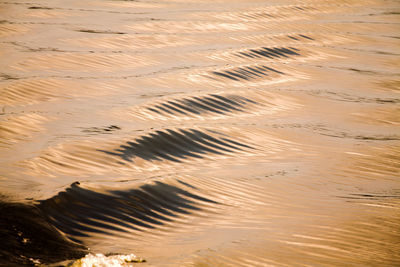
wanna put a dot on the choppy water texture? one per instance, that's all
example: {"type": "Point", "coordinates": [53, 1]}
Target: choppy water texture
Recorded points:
{"type": "Point", "coordinates": [200, 133]}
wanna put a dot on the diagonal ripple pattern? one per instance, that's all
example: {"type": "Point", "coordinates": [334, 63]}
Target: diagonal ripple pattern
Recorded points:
{"type": "Point", "coordinates": [200, 105]}
{"type": "Point", "coordinates": [80, 212]}
{"type": "Point", "coordinates": [175, 145]}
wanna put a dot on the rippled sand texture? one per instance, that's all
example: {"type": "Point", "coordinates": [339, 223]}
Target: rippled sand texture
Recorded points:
{"type": "Point", "coordinates": [201, 133]}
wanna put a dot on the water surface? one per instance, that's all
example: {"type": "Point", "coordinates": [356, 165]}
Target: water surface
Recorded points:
{"type": "Point", "coordinates": [200, 133]}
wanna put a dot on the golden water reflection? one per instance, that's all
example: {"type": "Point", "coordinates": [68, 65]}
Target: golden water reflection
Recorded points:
{"type": "Point", "coordinates": [201, 133]}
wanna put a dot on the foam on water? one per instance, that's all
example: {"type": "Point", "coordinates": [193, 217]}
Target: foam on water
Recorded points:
{"type": "Point", "coordinates": [100, 260]}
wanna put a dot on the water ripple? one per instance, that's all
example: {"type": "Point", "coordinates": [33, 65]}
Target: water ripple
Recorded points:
{"type": "Point", "coordinates": [79, 212]}
{"type": "Point", "coordinates": [174, 145]}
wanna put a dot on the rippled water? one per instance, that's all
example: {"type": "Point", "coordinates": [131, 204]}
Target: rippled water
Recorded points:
{"type": "Point", "coordinates": [200, 133]}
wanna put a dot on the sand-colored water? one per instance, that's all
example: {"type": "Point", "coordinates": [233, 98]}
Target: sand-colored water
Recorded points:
{"type": "Point", "coordinates": [200, 133]}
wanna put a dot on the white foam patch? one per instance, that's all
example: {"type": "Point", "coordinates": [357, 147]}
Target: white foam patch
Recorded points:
{"type": "Point", "coordinates": [100, 260]}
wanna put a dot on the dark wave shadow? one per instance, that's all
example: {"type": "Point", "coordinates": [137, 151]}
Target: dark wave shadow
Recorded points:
{"type": "Point", "coordinates": [101, 130]}
{"type": "Point", "coordinates": [79, 212]}
{"type": "Point", "coordinates": [247, 73]}
{"type": "Point", "coordinates": [212, 103]}
{"type": "Point", "coordinates": [100, 31]}
{"type": "Point", "coordinates": [28, 239]}
{"type": "Point", "coordinates": [266, 52]}
{"type": "Point", "coordinates": [174, 145]}
{"type": "Point", "coordinates": [53, 230]}
{"type": "Point", "coordinates": [300, 36]}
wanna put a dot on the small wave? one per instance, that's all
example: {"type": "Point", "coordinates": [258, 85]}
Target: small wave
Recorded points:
{"type": "Point", "coordinates": [174, 145]}
{"type": "Point", "coordinates": [179, 27]}
{"type": "Point", "coordinates": [15, 129]}
{"type": "Point", "coordinates": [80, 212]}
{"type": "Point", "coordinates": [9, 29]}
{"type": "Point", "coordinates": [247, 72]}
{"type": "Point", "coordinates": [38, 90]}
{"type": "Point", "coordinates": [81, 62]}
{"type": "Point", "coordinates": [214, 106]}
{"type": "Point", "coordinates": [275, 52]}
{"type": "Point", "coordinates": [130, 42]}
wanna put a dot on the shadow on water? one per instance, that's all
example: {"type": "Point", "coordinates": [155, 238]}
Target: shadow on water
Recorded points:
{"type": "Point", "coordinates": [79, 212]}
{"type": "Point", "coordinates": [101, 130]}
{"type": "Point", "coordinates": [246, 72]}
{"type": "Point", "coordinates": [174, 145]}
{"type": "Point", "coordinates": [27, 238]}
{"type": "Point", "coordinates": [274, 52]}
{"type": "Point", "coordinates": [203, 104]}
